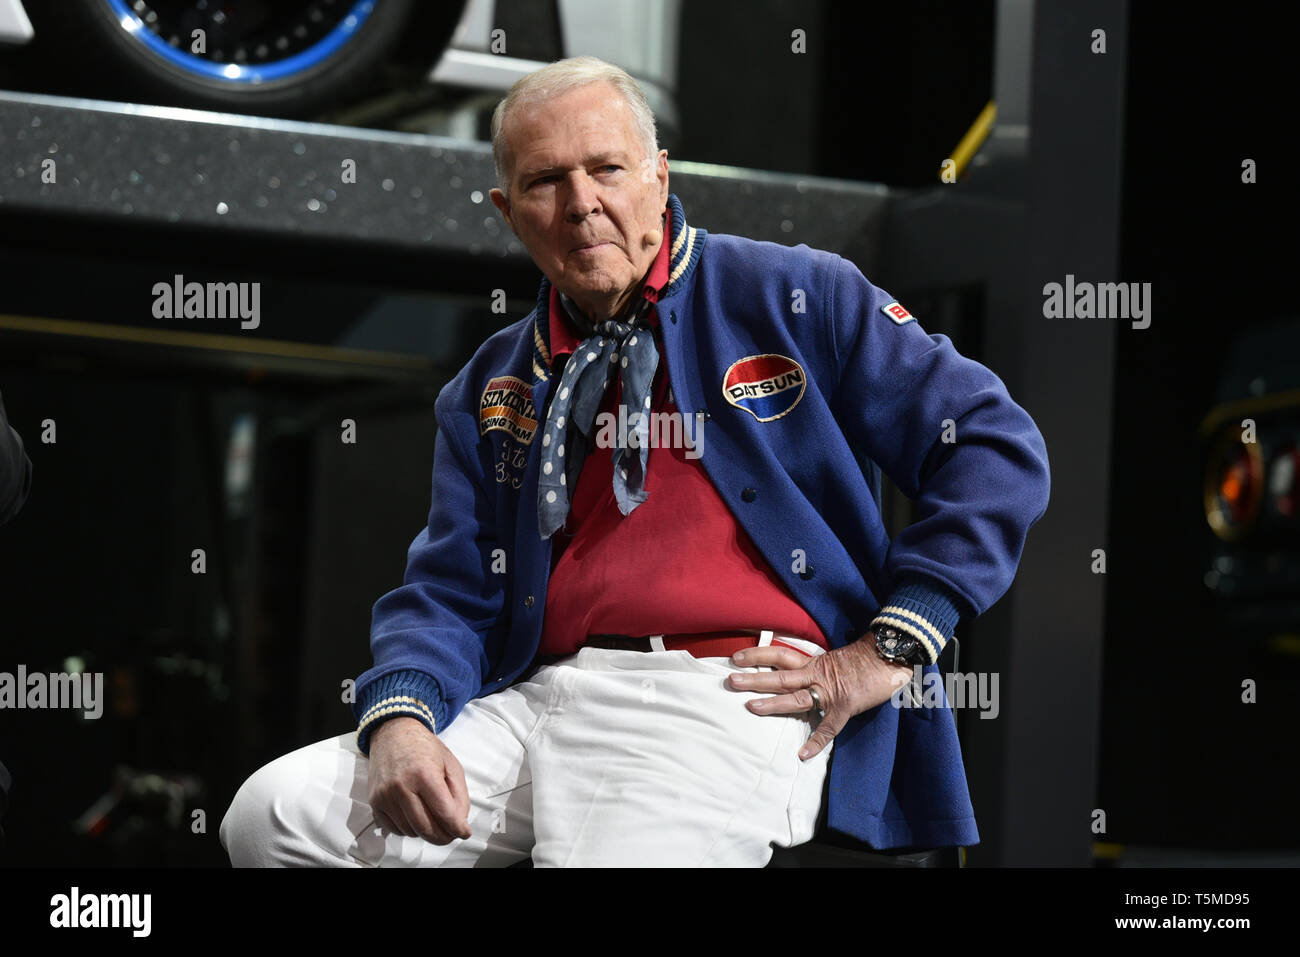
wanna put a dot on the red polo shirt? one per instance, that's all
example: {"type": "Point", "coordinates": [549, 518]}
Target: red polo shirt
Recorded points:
{"type": "Point", "coordinates": [680, 563]}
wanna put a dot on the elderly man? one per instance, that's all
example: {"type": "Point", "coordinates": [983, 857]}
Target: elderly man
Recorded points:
{"type": "Point", "coordinates": [639, 645]}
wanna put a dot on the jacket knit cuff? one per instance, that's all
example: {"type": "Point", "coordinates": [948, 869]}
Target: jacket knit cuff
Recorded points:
{"type": "Point", "coordinates": [407, 694]}
{"type": "Point", "coordinates": [924, 609]}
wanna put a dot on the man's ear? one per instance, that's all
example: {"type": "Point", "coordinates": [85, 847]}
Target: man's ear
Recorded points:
{"type": "Point", "coordinates": [661, 171]}
{"type": "Point", "coordinates": [500, 201]}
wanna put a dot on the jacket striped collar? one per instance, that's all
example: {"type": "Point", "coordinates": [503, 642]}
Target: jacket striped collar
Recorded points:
{"type": "Point", "coordinates": [687, 245]}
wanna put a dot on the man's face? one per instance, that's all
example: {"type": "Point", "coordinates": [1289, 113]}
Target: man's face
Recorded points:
{"type": "Point", "coordinates": [583, 195]}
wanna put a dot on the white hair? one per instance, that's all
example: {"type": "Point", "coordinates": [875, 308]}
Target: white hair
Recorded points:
{"type": "Point", "coordinates": [560, 77]}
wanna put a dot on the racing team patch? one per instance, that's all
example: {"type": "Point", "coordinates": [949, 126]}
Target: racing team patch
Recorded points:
{"type": "Point", "coordinates": [507, 404]}
{"type": "Point", "coordinates": [766, 386]}
{"type": "Point", "coordinates": [895, 311]}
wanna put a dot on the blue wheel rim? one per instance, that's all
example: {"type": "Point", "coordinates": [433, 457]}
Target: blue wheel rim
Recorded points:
{"type": "Point", "coordinates": [246, 74]}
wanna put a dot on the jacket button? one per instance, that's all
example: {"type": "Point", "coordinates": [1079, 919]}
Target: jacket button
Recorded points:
{"type": "Point", "coordinates": [807, 573]}
{"type": "Point", "coordinates": [528, 602]}
{"type": "Point", "coordinates": [672, 316]}
{"type": "Point", "coordinates": [749, 494]}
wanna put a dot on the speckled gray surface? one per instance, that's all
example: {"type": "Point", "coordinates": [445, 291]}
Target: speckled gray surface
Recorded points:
{"type": "Point", "coordinates": [227, 172]}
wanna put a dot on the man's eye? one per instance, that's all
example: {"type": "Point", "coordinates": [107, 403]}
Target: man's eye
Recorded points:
{"type": "Point", "coordinates": [554, 176]}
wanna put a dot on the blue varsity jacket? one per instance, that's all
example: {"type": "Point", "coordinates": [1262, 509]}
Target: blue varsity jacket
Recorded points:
{"type": "Point", "coordinates": [812, 379]}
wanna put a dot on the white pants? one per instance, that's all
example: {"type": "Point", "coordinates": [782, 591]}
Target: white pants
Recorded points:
{"type": "Point", "coordinates": [605, 758]}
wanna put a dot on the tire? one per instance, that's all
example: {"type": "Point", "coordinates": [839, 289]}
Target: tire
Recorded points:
{"type": "Point", "coordinates": [335, 59]}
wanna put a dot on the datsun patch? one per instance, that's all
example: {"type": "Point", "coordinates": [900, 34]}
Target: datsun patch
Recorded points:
{"type": "Point", "coordinates": [766, 386]}
{"type": "Point", "coordinates": [897, 312]}
{"type": "Point", "coordinates": [507, 404]}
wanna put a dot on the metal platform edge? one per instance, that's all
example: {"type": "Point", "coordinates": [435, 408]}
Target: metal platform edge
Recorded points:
{"type": "Point", "coordinates": [151, 165]}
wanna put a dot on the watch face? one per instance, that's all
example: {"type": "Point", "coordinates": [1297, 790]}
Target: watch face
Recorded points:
{"type": "Point", "coordinates": [898, 644]}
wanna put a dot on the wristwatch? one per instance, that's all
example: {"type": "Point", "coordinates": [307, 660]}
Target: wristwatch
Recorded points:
{"type": "Point", "coordinates": [898, 647]}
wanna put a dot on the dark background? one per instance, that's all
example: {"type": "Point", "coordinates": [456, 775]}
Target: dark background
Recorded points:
{"type": "Point", "coordinates": [1190, 764]}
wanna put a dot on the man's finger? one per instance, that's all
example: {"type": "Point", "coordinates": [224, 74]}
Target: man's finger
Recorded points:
{"type": "Point", "coordinates": [770, 656]}
{"type": "Point", "coordinates": [438, 797]}
{"type": "Point", "coordinates": [798, 702]}
{"type": "Point", "coordinates": [455, 775]}
{"type": "Point", "coordinates": [831, 725]}
{"type": "Point", "coordinates": [397, 821]}
{"type": "Point", "coordinates": [424, 824]}
{"type": "Point", "coordinates": [787, 680]}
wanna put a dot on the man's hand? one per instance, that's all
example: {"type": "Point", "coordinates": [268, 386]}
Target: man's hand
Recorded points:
{"type": "Point", "coordinates": [417, 787]}
{"type": "Point", "coordinates": [849, 680]}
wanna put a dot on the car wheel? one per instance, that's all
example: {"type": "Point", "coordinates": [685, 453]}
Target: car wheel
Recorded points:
{"type": "Point", "coordinates": [272, 57]}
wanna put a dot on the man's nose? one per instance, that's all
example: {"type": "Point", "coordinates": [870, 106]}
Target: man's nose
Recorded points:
{"type": "Point", "coordinates": [582, 200]}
